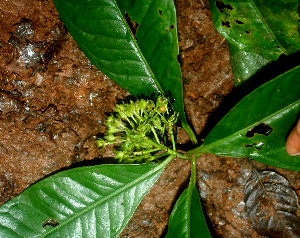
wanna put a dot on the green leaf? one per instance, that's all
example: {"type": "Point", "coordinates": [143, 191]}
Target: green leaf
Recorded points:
{"type": "Point", "coordinates": [95, 201]}
{"type": "Point", "coordinates": [145, 63]}
{"type": "Point", "coordinates": [245, 64]}
{"type": "Point", "coordinates": [100, 30]}
{"type": "Point", "coordinates": [258, 125]}
{"type": "Point", "coordinates": [267, 28]}
{"type": "Point", "coordinates": [187, 218]}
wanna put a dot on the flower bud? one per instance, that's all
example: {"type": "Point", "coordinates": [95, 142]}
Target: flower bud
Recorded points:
{"type": "Point", "coordinates": [118, 122]}
{"type": "Point", "coordinates": [119, 108]}
{"type": "Point", "coordinates": [110, 137]}
{"type": "Point", "coordinates": [100, 143]}
{"type": "Point", "coordinates": [119, 155]}
{"type": "Point", "coordinates": [150, 106]}
{"type": "Point", "coordinates": [162, 109]}
{"type": "Point", "coordinates": [110, 119]}
{"type": "Point", "coordinates": [161, 101]}
{"type": "Point", "coordinates": [142, 104]}
{"type": "Point", "coordinates": [111, 129]}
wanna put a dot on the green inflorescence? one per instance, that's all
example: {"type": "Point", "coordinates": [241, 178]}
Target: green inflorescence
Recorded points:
{"type": "Point", "coordinates": [140, 130]}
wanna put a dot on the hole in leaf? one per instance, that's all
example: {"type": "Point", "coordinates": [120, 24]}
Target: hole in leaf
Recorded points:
{"type": "Point", "coordinates": [222, 6]}
{"type": "Point", "coordinates": [51, 222]}
{"type": "Point", "coordinates": [262, 129]}
{"type": "Point", "coordinates": [160, 12]}
{"type": "Point", "coordinates": [248, 32]}
{"type": "Point", "coordinates": [239, 22]}
{"type": "Point", "coordinates": [226, 24]}
{"type": "Point", "coordinates": [172, 27]}
{"type": "Point", "coordinates": [277, 46]}
{"type": "Point", "coordinates": [133, 26]}
{"type": "Point", "coordinates": [257, 146]}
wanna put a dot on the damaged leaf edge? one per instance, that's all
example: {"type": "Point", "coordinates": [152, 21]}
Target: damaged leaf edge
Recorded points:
{"type": "Point", "coordinates": [203, 149]}
{"type": "Point", "coordinates": [244, 47]}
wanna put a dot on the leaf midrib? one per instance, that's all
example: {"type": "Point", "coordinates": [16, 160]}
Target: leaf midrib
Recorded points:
{"type": "Point", "coordinates": [190, 193]}
{"type": "Point", "coordinates": [113, 194]}
{"type": "Point", "coordinates": [140, 54]}
{"type": "Point", "coordinates": [159, 88]}
{"type": "Point", "coordinates": [216, 143]}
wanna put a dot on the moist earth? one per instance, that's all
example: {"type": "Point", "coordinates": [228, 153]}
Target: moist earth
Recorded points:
{"type": "Point", "coordinates": [53, 105]}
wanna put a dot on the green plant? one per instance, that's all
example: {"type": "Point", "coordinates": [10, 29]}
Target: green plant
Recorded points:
{"type": "Point", "coordinates": [140, 129]}
{"type": "Point", "coordinates": [98, 201]}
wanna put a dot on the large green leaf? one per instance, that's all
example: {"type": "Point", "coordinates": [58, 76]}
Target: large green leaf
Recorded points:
{"type": "Point", "coordinates": [267, 28]}
{"type": "Point", "coordinates": [187, 219]}
{"type": "Point", "coordinates": [144, 64]}
{"type": "Point", "coordinates": [95, 201]}
{"type": "Point", "coordinates": [258, 125]}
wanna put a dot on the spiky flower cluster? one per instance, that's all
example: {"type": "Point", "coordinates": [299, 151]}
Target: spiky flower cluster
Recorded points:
{"type": "Point", "coordinates": [140, 130]}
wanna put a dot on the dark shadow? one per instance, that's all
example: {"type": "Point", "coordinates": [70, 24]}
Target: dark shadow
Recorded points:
{"type": "Point", "coordinates": [187, 146]}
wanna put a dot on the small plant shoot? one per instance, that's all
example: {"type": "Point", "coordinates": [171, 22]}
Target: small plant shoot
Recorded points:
{"type": "Point", "coordinates": [98, 201]}
{"type": "Point", "coordinates": [140, 131]}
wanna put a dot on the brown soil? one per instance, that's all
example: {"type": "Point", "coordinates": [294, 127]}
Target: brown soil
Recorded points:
{"type": "Point", "coordinates": [53, 103]}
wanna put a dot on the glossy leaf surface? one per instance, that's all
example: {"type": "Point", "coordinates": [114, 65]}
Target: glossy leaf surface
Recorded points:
{"type": "Point", "coordinates": [245, 64]}
{"type": "Point", "coordinates": [95, 201]}
{"type": "Point", "coordinates": [133, 42]}
{"type": "Point", "coordinates": [187, 219]}
{"type": "Point", "coordinates": [267, 28]}
{"type": "Point", "coordinates": [258, 125]}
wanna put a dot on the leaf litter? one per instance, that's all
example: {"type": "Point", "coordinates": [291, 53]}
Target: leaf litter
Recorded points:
{"type": "Point", "coordinates": [272, 204]}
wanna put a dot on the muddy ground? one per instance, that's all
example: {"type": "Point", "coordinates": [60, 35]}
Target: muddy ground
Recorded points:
{"type": "Point", "coordinates": [53, 104]}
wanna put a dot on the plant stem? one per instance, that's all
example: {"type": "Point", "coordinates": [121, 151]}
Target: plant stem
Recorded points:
{"type": "Point", "coordinates": [197, 152]}
{"type": "Point", "coordinates": [144, 152]}
{"type": "Point", "coordinates": [193, 170]}
{"type": "Point", "coordinates": [168, 150]}
{"type": "Point", "coordinates": [167, 160]}
{"type": "Point", "coordinates": [171, 132]}
{"type": "Point", "coordinates": [191, 134]}
{"type": "Point", "coordinates": [177, 154]}
{"type": "Point", "coordinates": [156, 137]}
